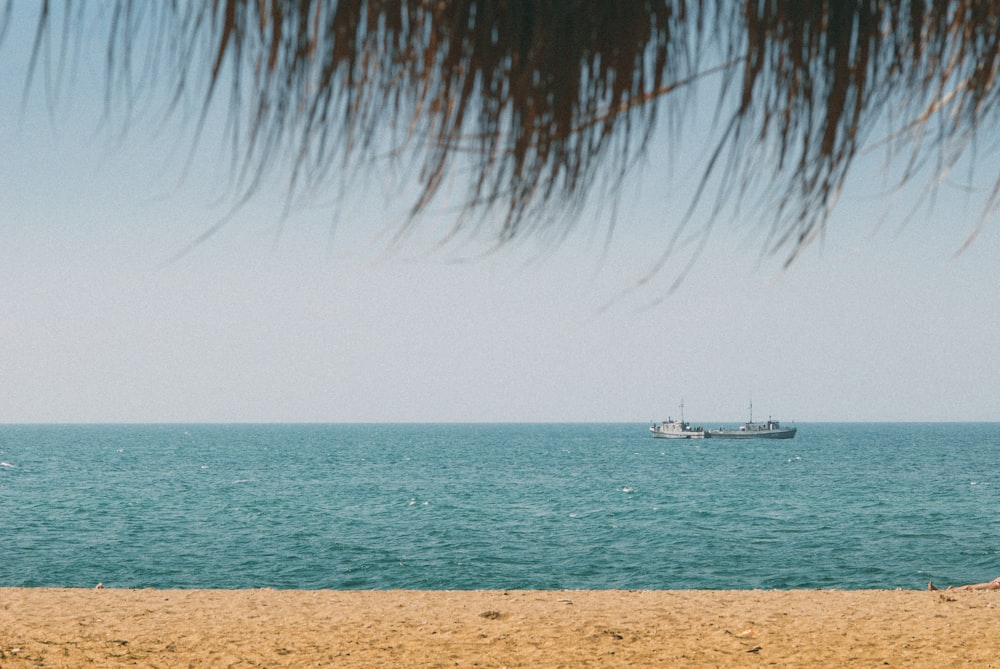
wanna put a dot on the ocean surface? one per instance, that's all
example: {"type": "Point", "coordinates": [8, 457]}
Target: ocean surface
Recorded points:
{"type": "Point", "coordinates": [498, 506]}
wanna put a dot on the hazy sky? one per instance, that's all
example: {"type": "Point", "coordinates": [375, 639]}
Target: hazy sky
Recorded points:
{"type": "Point", "coordinates": [314, 318]}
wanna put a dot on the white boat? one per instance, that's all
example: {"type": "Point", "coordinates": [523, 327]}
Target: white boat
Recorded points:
{"type": "Point", "coordinates": [677, 429]}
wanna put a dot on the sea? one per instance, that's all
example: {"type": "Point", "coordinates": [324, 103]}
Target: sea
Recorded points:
{"type": "Point", "coordinates": [497, 506]}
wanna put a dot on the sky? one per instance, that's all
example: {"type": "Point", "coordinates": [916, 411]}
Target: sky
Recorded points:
{"type": "Point", "coordinates": [109, 314]}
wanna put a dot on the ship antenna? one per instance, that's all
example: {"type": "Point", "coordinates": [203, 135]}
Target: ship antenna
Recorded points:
{"type": "Point", "coordinates": [682, 410]}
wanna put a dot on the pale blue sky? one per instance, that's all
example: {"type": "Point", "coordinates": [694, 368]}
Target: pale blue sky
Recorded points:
{"type": "Point", "coordinates": [312, 319]}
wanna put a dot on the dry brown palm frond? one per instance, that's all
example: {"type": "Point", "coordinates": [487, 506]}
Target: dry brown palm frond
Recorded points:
{"type": "Point", "coordinates": [535, 98]}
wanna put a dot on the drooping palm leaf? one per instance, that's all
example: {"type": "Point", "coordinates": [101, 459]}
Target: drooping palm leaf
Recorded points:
{"type": "Point", "coordinates": [540, 97]}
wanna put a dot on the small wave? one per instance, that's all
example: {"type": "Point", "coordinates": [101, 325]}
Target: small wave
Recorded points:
{"type": "Point", "coordinates": [8, 465]}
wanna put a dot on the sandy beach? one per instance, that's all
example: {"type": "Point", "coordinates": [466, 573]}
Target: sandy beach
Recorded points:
{"type": "Point", "coordinates": [272, 628]}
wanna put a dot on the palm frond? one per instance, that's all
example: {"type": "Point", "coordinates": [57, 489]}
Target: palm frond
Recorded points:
{"type": "Point", "coordinates": [539, 97]}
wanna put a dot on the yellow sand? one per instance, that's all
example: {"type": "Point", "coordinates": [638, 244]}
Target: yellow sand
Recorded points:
{"type": "Point", "coordinates": [272, 628]}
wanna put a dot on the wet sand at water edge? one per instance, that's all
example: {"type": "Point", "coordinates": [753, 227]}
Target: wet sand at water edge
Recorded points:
{"type": "Point", "coordinates": [568, 628]}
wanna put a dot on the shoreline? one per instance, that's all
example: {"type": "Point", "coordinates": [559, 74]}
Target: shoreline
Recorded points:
{"type": "Point", "coordinates": [493, 628]}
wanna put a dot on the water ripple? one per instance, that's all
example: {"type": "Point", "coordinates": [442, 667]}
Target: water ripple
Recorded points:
{"type": "Point", "coordinates": [494, 506]}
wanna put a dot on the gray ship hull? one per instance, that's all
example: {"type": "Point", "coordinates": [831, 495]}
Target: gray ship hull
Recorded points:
{"type": "Point", "coordinates": [779, 433]}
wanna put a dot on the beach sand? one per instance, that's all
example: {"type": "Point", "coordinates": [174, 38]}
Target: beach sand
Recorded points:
{"type": "Point", "coordinates": [283, 628]}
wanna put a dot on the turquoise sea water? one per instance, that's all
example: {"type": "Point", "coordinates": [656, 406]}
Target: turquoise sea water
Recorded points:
{"type": "Point", "coordinates": [496, 506]}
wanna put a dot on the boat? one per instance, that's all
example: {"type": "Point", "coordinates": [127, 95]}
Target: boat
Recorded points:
{"type": "Point", "coordinates": [750, 430]}
{"type": "Point", "coordinates": [676, 429]}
